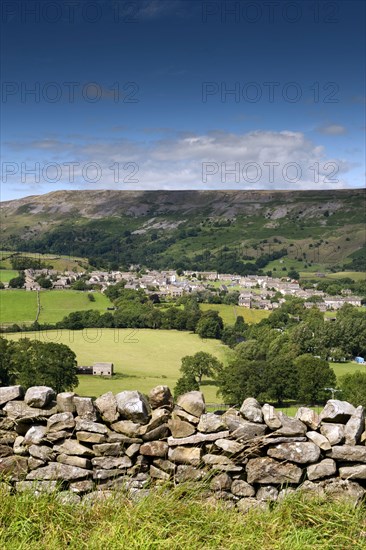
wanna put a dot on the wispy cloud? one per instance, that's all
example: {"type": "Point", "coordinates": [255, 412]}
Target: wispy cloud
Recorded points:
{"type": "Point", "coordinates": [332, 130]}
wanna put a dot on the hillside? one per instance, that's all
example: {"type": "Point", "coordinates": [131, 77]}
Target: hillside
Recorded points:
{"type": "Point", "coordinates": [224, 230]}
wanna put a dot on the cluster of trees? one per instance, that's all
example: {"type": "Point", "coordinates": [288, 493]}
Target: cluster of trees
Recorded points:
{"type": "Point", "coordinates": [30, 362]}
{"type": "Point", "coordinates": [354, 388]}
{"type": "Point", "coordinates": [17, 282]}
{"type": "Point", "coordinates": [303, 378]}
{"type": "Point", "coordinates": [286, 356]}
{"type": "Point", "coordinates": [44, 282]}
{"type": "Point", "coordinates": [135, 310]}
{"type": "Point", "coordinates": [20, 263]}
{"type": "Point", "coordinates": [193, 369]}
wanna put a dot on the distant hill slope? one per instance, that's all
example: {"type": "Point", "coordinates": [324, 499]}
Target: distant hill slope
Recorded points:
{"type": "Point", "coordinates": [241, 231]}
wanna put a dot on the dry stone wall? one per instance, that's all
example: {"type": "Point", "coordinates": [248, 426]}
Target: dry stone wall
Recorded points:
{"type": "Point", "coordinates": [85, 448]}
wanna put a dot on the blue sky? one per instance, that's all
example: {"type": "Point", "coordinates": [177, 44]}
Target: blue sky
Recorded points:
{"type": "Point", "coordinates": [182, 94]}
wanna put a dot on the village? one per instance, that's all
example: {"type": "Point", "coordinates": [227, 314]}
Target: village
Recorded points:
{"type": "Point", "coordinates": [254, 291]}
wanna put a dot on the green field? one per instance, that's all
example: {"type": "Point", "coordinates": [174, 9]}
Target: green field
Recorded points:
{"type": "Point", "coordinates": [349, 367]}
{"type": "Point", "coordinates": [55, 304]}
{"type": "Point", "coordinates": [17, 306]}
{"type": "Point", "coordinates": [145, 358]}
{"type": "Point", "coordinates": [355, 275]}
{"type": "Point", "coordinates": [7, 274]}
{"type": "Point", "coordinates": [229, 313]}
{"type": "Point", "coordinates": [20, 306]}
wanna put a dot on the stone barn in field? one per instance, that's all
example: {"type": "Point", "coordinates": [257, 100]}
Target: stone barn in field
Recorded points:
{"type": "Point", "coordinates": [103, 369]}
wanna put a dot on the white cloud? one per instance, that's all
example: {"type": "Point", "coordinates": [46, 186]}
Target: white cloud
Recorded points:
{"type": "Point", "coordinates": [217, 160]}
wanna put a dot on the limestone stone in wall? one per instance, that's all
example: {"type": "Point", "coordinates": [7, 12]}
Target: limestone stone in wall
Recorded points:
{"type": "Point", "coordinates": [333, 432]}
{"type": "Point", "coordinates": [85, 408]}
{"type": "Point", "coordinates": [14, 466]}
{"type": "Point", "coordinates": [161, 396]}
{"type": "Point", "coordinates": [353, 472]}
{"type": "Point", "coordinates": [337, 411]}
{"type": "Point", "coordinates": [251, 410]}
{"type": "Point", "coordinates": [186, 473]}
{"type": "Point", "coordinates": [290, 426]}
{"type": "Point", "coordinates": [270, 417]}
{"type": "Point", "coordinates": [241, 488]}
{"type": "Point", "coordinates": [126, 427]}
{"type": "Point", "coordinates": [301, 453]}
{"type": "Point", "coordinates": [34, 435]}
{"type": "Point", "coordinates": [349, 453]}
{"type": "Point", "coordinates": [106, 404]}
{"type": "Point", "coordinates": [193, 403]}
{"type": "Point", "coordinates": [325, 468]}
{"type": "Point", "coordinates": [308, 417]}
{"type": "Point", "coordinates": [58, 472]}
{"type": "Point", "coordinates": [60, 421]}
{"type": "Point", "coordinates": [197, 438]}
{"type": "Point", "coordinates": [39, 396]}
{"type": "Point", "coordinates": [267, 470]}
{"type": "Point", "coordinates": [355, 427]}
{"type": "Point", "coordinates": [155, 448]}
{"type": "Point", "coordinates": [65, 402]}
{"type": "Point", "coordinates": [132, 405]}
{"type": "Point", "coordinates": [161, 432]}
{"type": "Point", "coordinates": [10, 393]}
{"type": "Point", "coordinates": [320, 440]}
{"type": "Point", "coordinates": [180, 428]}
{"type": "Point", "coordinates": [211, 422]}
{"type": "Point", "coordinates": [90, 437]}
{"type": "Point", "coordinates": [267, 493]}
{"type": "Point", "coordinates": [185, 455]}
{"type": "Point", "coordinates": [249, 430]}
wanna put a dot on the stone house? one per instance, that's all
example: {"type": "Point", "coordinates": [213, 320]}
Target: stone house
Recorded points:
{"type": "Point", "coordinates": [245, 300]}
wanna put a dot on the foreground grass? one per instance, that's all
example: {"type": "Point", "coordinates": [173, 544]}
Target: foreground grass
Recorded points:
{"type": "Point", "coordinates": [177, 520]}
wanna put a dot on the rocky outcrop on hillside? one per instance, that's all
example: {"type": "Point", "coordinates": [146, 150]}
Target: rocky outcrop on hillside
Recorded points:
{"type": "Point", "coordinates": [85, 448]}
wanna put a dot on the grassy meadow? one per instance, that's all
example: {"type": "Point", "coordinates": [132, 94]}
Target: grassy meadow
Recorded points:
{"type": "Point", "coordinates": [7, 274]}
{"type": "Point", "coordinates": [177, 519]}
{"type": "Point", "coordinates": [20, 306]}
{"type": "Point", "coordinates": [229, 313]}
{"type": "Point", "coordinates": [349, 367]}
{"type": "Point", "coordinates": [142, 358]}
{"type": "Point", "coordinates": [55, 304]}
